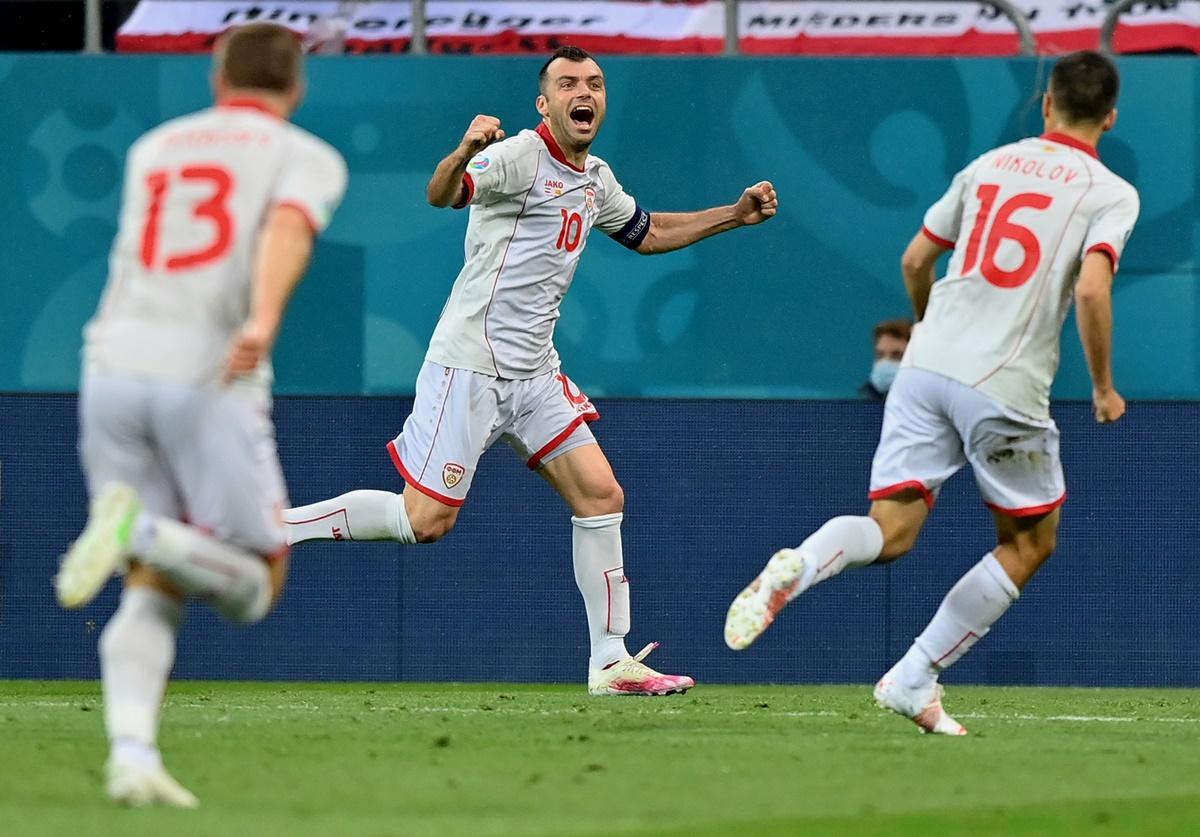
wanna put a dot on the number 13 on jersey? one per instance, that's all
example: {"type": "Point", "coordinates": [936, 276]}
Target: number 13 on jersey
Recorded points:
{"type": "Point", "coordinates": [1004, 228]}
{"type": "Point", "coordinates": [212, 211]}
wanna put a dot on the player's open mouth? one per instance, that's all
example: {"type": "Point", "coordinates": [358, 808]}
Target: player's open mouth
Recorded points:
{"type": "Point", "coordinates": [582, 116]}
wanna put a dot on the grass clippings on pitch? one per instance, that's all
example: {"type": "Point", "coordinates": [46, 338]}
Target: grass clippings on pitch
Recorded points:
{"type": "Point", "coordinates": [417, 759]}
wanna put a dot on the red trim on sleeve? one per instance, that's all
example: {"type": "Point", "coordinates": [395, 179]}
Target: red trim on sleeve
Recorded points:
{"type": "Point", "coordinates": [944, 243]}
{"type": "Point", "coordinates": [1030, 511]}
{"type": "Point", "coordinates": [536, 460]}
{"type": "Point", "coordinates": [468, 191]}
{"type": "Point", "coordinates": [408, 478]}
{"type": "Point", "coordinates": [248, 103]}
{"type": "Point", "coordinates": [303, 210]}
{"type": "Point", "coordinates": [1108, 250]}
{"type": "Point", "coordinates": [892, 490]}
{"type": "Point", "coordinates": [552, 145]}
{"type": "Point", "coordinates": [1064, 139]}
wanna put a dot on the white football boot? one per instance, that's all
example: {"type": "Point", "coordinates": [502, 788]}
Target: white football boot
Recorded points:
{"type": "Point", "coordinates": [921, 706]}
{"type": "Point", "coordinates": [630, 676]}
{"type": "Point", "coordinates": [138, 785]}
{"type": "Point", "coordinates": [756, 607]}
{"type": "Point", "coordinates": [101, 549]}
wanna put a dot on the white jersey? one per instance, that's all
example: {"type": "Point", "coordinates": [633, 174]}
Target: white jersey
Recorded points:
{"type": "Point", "coordinates": [531, 212]}
{"type": "Point", "coordinates": [197, 191]}
{"type": "Point", "coordinates": [1020, 219]}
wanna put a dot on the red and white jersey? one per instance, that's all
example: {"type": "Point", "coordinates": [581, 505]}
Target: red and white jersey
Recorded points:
{"type": "Point", "coordinates": [531, 212]}
{"type": "Point", "coordinates": [197, 191]}
{"type": "Point", "coordinates": [1020, 219]}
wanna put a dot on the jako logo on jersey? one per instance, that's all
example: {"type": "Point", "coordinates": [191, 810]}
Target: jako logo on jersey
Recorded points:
{"type": "Point", "coordinates": [589, 198]}
{"type": "Point", "coordinates": [337, 534]}
{"type": "Point", "coordinates": [480, 163]}
{"type": "Point", "coordinates": [555, 187]}
{"type": "Point", "coordinates": [452, 474]}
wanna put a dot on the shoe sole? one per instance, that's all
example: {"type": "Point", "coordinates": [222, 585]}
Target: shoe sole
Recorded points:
{"type": "Point", "coordinates": [141, 791]}
{"type": "Point", "coordinates": [144, 797]}
{"type": "Point", "coordinates": [680, 691]}
{"type": "Point", "coordinates": [100, 548]}
{"type": "Point", "coordinates": [748, 617]}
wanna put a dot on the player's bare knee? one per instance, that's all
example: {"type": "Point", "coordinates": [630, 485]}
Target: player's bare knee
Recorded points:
{"type": "Point", "coordinates": [432, 523]}
{"type": "Point", "coordinates": [613, 498]}
{"type": "Point", "coordinates": [1033, 553]}
{"type": "Point", "coordinates": [604, 497]}
{"type": "Point", "coordinates": [899, 535]}
{"type": "Point", "coordinates": [897, 543]}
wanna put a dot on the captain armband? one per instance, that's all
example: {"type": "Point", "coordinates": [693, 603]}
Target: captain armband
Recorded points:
{"type": "Point", "coordinates": [634, 232]}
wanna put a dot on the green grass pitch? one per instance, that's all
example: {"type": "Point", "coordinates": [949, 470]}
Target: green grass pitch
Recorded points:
{"type": "Point", "coordinates": [272, 759]}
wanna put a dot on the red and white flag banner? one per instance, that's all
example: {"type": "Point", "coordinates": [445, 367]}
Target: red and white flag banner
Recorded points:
{"type": "Point", "coordinates": [680, 27]}
{"type": "Point", "coordinates": [452, 26]}
{"type": "Point", "coordinates": [776, 27]}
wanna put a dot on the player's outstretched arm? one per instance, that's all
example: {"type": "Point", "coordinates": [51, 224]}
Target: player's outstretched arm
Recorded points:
{"type": "Point", "coordinates": [673, 230]}
{"type": "Point", "coordinates": [446, 186]}
{"type": "Point", "coordinates": [284, 248]}
{"type": "Point", "coordinates": [1093, 299]}
{"type": "Point", "coordinates": [919, 266]}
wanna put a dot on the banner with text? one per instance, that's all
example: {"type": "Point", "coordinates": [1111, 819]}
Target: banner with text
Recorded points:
{"type": "Point", "coordinates": [452, 26]}
{"type": "Point", "coordinates": [682, 27]}
{"type": "Point", "coordinates": [769, 27]}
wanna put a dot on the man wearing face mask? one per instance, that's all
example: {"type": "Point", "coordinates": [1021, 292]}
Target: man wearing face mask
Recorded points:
{"type": "Point", "coordinates": [891, 339]}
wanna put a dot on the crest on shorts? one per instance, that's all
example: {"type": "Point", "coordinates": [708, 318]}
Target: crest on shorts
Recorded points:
{"type": "Point", "coordinates": [452, 474]}
{"type": "Point", "coordinates": [589, 198]}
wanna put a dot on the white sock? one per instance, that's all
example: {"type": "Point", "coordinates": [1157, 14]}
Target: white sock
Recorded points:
{"type": "Point", "coordinates": [137, 650]}
{"type": "Point", "coordinates": [237, 583]}
{"type": "Point", "coordinates": [600, 574]}
{"type": "Point", "coordinates": [357, 516]}
{"type": "Point", "coordinates": [842, 542]}
{"type": "Point", "coordinates": [967, 613]}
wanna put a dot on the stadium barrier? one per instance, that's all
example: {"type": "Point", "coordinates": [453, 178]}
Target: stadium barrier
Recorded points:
{"type": "Point", "coordinates": [712, 487]}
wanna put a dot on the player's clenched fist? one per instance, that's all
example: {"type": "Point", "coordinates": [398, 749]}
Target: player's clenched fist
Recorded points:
{"type": "Point", "coordinates": [248, 349]}
{"type": "Point", "coordinates": [757, 204]}
{"type": "Point", "coordinates": [483, 132]}
{"type": "Point", "coordinates": [1108, 406]}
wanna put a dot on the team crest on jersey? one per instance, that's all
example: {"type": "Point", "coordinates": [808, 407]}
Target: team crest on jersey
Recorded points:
{"type": "Point", "coordinates": [589, 198]}
{"type": "Point", "coordinates": [554, 187]}
{"type": "Point", "coordinates": [452, 474]}
{"type": "Point", "coordinates": [480, 163]}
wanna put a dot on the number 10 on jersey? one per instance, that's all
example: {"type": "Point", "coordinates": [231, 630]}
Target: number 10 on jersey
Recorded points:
{"type": "Point", "coordinates": [571, 233]}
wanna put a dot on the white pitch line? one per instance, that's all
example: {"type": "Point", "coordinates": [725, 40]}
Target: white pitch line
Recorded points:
{"type": "Point", "coordinates": [522, 710]}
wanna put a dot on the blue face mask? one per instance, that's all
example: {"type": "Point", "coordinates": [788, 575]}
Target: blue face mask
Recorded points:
{"type": "Point", "coordinates": [883, 373]}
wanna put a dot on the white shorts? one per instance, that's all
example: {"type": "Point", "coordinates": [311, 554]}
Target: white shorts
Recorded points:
{"type": "Point", "coordinates": [933, 425]}
{"type": "Point", "coordinates": [458, 414]}
{"type": "Point", "coordinates": [204, 455]}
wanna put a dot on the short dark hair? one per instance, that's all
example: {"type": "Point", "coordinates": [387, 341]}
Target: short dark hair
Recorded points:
{"type": "Point", "coordinates": [259, 56]}
{"type": "Point", "coordinates": [900, 329]}
{"type": "Point", "coordinates": [1084, 87]}
{"type": "Point", "coordinates": [571, 53]}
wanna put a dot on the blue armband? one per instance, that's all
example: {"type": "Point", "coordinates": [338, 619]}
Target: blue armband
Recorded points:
{"type": "Point", "coordinates": [632, 234]}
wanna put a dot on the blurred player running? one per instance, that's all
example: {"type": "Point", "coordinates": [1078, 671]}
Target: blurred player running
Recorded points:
{"type": "Point", "coordinates": [217, 223]}
{"type": "Point", "coordinates": [492, 371]}
{"type": "Point", "coordinates": [1029, 224]}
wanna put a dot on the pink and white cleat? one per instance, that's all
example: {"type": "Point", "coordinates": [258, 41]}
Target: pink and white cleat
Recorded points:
{"type": "Point", "coordinates": [631, 676]}
{"type": "Point", "coordinates": [756, 607]}
{"type": "Point", "coordinates": [922, 706]}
